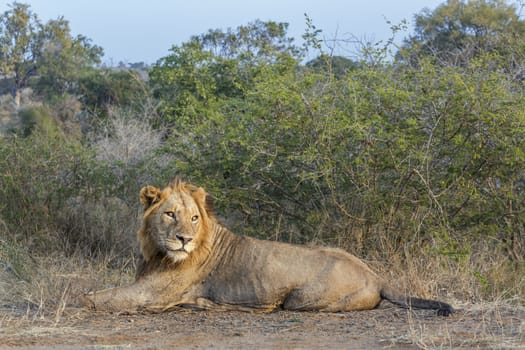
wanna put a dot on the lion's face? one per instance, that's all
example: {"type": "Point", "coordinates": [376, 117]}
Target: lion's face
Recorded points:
{"type": "Point", "coordinates": [176, 221]}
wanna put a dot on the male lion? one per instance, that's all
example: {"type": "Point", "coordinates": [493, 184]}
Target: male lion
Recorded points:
{"type": "Point", "coordinates": [189, 259]}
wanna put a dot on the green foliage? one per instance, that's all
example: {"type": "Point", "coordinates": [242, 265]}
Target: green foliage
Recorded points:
{"type": "Point", "coordinates": [18, 43]}
{"type": "Point", "coordinates": [39, 119]}
{"type": "Point", "coordinates": [336, 65]}
{"type": "Point", "coordinates": [43, 177]}
{"type": "Point", "coordinates": [385, 155]}
{"type": "Point", "coordinates": [63, 60]}
{"type": "Point", "coordinates": [31, 177]}
{"type": "Point", "coordinates": [45, 55]}
{"type": "Point", "coordinates": [457, 31]}
{"type": "Point", "coordinates": [216, 65]}
{"type": "Point", "coordinates": [100, 90]}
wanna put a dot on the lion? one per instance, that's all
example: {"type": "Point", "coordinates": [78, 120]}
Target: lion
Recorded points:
{"type": "Point", "coordinates": [189, 259]}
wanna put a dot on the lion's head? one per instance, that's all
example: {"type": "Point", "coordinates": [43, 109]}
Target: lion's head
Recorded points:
{"type": "Point", "coordinates": [176, 224]}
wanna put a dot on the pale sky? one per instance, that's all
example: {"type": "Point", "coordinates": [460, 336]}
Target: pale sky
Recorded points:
{"type": "Point", "coordinates": [139, 30]}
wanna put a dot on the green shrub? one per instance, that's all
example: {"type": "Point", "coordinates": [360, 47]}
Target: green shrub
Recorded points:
{"type": "Point", "coordinates": [42, 174]}
{"type": "Point", "coordinates": [383, 158]}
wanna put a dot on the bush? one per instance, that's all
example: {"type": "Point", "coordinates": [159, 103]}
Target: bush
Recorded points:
{"type": "Point", "coordinates": [42, 174]}
{"type": "Point", "coordinates": [386, 160]}
{"type": "Point", "coordinates": [74, 197]}
{"type": "Point", "coordinates": [64, 209]}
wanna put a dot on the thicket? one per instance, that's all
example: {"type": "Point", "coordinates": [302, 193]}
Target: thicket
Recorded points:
{"type": "Point", "coordinates": [414, 161]}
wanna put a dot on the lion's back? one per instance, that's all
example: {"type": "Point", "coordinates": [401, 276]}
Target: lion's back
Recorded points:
{"type": "Point", "coordinates": [259, 272]}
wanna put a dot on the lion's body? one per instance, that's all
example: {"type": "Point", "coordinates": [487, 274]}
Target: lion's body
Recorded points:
{"type": "Point", "coordinates": [212, 268]}
{"type": "Point", "coordinates": [266, 275]}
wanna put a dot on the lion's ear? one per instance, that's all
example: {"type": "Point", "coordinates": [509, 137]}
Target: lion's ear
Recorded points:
{"type": "Point", "coordinates": [203, 199]}
{"type": "Point", "coordinates": [149, 195]}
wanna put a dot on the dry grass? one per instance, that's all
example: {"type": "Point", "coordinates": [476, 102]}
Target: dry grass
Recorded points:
{"type": "Point", "coordinates": [42, 304]}
{"type": "Point", "coordinates": [487, 325]}
{"type": "Point", "coordinates": [40, 291]}
{"type": "Point", "coordinates": [46, 284]}
{"type": "Point", "coordinates": [55, 282]}
{"type": "Point", "coordinates": [487, 275]}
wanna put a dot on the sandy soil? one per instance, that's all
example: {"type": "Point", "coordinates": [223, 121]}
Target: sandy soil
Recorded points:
{"type": "Point", "coordinates": [479, 326]}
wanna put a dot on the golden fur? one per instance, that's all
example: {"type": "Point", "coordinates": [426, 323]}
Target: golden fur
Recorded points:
{"type": "Point", "coordinates": [189, 259]}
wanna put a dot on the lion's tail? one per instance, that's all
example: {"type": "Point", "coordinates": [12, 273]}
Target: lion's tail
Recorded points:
{"type": "Point", "coordinates": [398, 298]}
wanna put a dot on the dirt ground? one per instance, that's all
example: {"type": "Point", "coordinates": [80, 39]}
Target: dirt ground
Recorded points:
{"type": "Point", "coordinates": [478, 326]}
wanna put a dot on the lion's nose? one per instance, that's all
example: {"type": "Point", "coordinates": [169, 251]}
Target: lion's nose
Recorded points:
{"type": "Point", "coordinates": [184, 240]}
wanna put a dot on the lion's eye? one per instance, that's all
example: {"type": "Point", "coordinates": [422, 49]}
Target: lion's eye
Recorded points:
{"type": "Point", "coordinates": [171, 214]}
{"type": "Point", "coordinates": [194, 218]}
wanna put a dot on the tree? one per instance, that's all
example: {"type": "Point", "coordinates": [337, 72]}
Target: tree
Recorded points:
{"type": "Point", "coordinates": [218, 64]}
{"type": "Point", "coordinates": [46, 53]}
{"type": "Point", "coordinates": [100, 90]}
{"type": "Point", "coordinates": [18, 46]}
{"type": "Point", "coordinates": [63, 58]}
{"type": "Point", "coordinates": [459, 30]}
{"type": "Point", "coordinates": [339, 66]}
